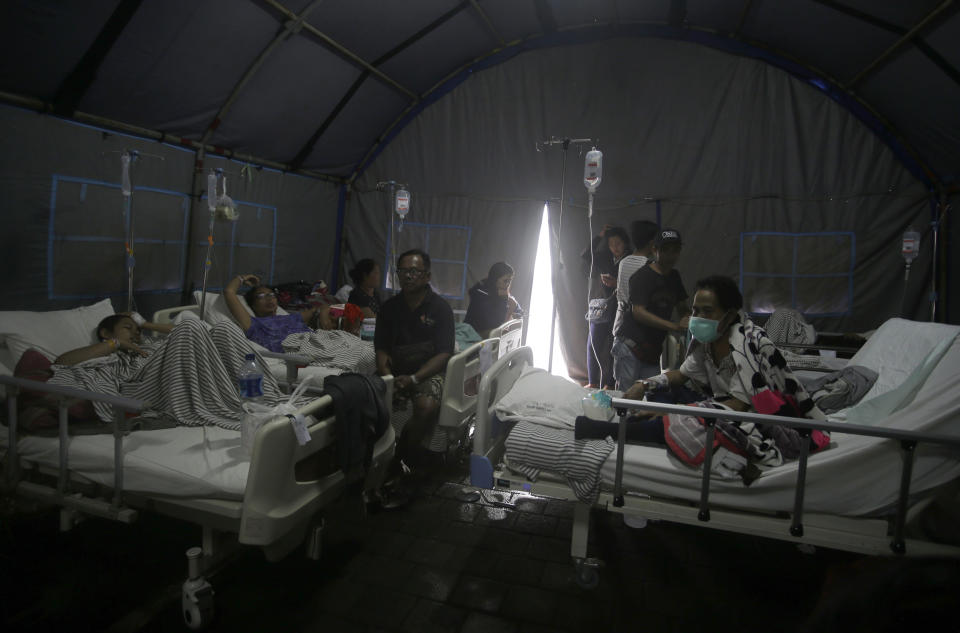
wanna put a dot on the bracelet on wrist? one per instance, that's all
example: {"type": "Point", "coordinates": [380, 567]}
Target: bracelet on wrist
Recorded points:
{"type": "Point", "coordinates": [413, 379]}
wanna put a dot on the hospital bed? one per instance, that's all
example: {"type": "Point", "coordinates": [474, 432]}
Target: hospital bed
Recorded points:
{"type": "Point", "coordinates": [287, 368]}
{"type": "Point", "coordinates": [891, 455]}
{"type": "Point", "coordinates": [271, 499]}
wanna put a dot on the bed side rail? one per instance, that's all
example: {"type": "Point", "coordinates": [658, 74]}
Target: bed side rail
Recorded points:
{"type": "Point", "coordinates": [461, 384]}
{"type": "Point", "coordinates": [487, 440]}
{"type": "Point", "coordinates": [274, 501]}
{"type": "Point", "coordinates": [61, 495]}
{"type": "Point", "coordinates": [908, 443]}
{"type": "Point", "coordinates": [167, 315]}
{"type": "Point", "coordinates": [292, 362]}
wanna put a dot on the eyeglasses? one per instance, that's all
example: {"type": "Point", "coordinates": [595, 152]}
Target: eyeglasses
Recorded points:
{"type": "Point", "coordinates": [265, 295]}
{"type": "Point", "coordinates": [411, 272]}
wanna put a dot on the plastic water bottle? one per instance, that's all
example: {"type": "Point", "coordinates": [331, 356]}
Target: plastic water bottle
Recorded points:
{"type": "Point", "coordinates": [250, 380]}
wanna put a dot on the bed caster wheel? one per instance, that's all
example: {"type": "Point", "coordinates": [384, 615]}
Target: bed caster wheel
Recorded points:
{"type": "Point", "coordinates": [197, 604]}
{"type": "Point", "coordinates": [587, 574]}
{"type": "Point", "coordinates": [197, 599]}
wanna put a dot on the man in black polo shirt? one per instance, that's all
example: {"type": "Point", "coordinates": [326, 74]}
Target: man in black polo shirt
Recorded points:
{"type": "Point", "coordinates": [414, 340]}
{"type": "Point", "coordinates": [656, 290]}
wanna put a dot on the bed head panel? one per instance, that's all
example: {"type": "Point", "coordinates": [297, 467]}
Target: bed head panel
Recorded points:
{"type": "Point", "coordinates": [510, 335]}
{"type": "Point", "coordinates": [496, 382]}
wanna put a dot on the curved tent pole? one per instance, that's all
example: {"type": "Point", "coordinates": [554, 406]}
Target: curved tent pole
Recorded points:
{"type": "Point", "coordinates": [292, 27]}
{"type": "Point", "coordinates": [832, 88]}
{"type": "Point", "coordinates": [339, 48]}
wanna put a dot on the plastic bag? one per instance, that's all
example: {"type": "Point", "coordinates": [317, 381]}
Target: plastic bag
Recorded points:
{"type": "Point", "coordinates": [256, 415]}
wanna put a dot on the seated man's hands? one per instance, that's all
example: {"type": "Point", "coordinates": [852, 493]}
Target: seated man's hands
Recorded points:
{"type": "Point", "coordinates": [403, 383]}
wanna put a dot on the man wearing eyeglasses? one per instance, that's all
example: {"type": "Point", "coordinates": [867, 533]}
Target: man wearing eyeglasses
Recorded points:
{"type": "Point", "coordinates": [414, 340]}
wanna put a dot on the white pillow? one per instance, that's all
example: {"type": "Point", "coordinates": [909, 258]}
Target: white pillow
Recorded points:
{"type": "Point", "coordinates": [52, 333]}
{"type": "Point", "coordinates": [216, 309]}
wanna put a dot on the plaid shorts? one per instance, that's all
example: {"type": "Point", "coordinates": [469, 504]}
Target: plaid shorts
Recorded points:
{"type": "Point", "coordinates": [432, 387]}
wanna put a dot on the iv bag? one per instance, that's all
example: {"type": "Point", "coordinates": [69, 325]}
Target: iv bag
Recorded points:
{"type": "Point", "coordinates": [911, 245]}
{"type": "Point", "coordinates": [403, 203]}
{"type": "Point", "coordinates": [226, 209]}
{"type": "Point", "coordinates": [593, 169]}
{"type": "Point", "coordinates": [211, 191]}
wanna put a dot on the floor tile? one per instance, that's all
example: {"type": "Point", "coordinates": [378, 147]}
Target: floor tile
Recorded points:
{"type": "Point", "coordinates": [480, 594]}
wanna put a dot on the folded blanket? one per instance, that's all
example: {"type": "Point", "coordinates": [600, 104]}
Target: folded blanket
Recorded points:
{"type": "Point", "coordinates": [841, 389]}
{"type": "Point", "coordinates": [532, 448]}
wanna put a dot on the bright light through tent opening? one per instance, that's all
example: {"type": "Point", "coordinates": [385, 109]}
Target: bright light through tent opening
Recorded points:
{"type": "Point", "coordinates": [541, 306]}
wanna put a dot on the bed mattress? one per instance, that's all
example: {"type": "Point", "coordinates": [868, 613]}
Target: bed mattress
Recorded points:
{"type": "Point", "coordinates": [203, 462]}
{"type": "Point", "coordinates": [857, 475]}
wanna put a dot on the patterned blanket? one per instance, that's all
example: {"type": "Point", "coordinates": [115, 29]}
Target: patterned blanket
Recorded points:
{"type": "Point", "coordinates": [189, 376]}
{"type": "Point", "coordinates": [334, 348]}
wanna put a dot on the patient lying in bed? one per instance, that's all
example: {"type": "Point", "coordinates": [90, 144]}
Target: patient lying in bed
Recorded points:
{"type": "Point", "coordinates": [187, 378]}
{"type": "Point", "coordinates": [312, 332]}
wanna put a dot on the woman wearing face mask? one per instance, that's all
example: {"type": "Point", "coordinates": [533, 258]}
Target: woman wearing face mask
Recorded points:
{"type": "Point", "coordinates": [731, 356]}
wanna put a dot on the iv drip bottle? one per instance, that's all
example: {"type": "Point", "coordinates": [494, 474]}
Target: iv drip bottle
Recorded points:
{"type": "Point", "coordinates": [911, 245]}
{"type": "Point", "coordinates": [403, 203]}
{"type": "Point", "coordinates": [593, 169]}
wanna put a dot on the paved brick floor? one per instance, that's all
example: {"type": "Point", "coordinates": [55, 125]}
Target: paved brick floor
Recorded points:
{"type": "Point", "coordinates": [446, 564]}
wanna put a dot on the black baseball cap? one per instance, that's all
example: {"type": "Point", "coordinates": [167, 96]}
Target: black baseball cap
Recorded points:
{"type": "Point", "coordinates": [667, 235]}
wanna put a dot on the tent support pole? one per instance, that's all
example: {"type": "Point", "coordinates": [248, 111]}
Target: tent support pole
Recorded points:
{"type": "Point", "coordinates": [556, 265]}
{"type": "Point", "coordinates": [337, 253]}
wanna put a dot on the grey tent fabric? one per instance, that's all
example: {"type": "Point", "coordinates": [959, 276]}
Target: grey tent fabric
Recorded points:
{"type": "Point", "coordinates": [748, 126]}
{"type": "Point", "coordinates": [62, 202]}
{"type": "Point", "coordinates": [713, 145]}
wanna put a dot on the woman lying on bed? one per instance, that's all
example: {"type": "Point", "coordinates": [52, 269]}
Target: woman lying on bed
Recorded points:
{"type": "Point", "coordinates": [311, 332]}
{"type": "Point", "coordinates": [188, 377]}
{"type": "Point", "coordinates": [733, 360]}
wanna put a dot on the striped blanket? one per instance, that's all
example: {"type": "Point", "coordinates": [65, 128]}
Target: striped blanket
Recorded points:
{"type": "Point", "coordinates": [334, 348]}
{"type": "Point", "coordinates": [190, 376]}
{"type": "Point", "coordinates": [532, 447]}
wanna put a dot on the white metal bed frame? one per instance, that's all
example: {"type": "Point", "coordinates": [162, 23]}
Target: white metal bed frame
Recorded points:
{"type": "Point", "coordinates": [277, 511]}
{"type": "Point", "coordinates": [876, 536]}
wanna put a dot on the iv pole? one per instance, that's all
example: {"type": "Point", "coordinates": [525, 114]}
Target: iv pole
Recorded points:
{"type": "Point", "coordinates": [565, 144]}
{"type": "Point", "coordinates": [126, 187]}
{"type": "Point", "coordinates": [391, 186]}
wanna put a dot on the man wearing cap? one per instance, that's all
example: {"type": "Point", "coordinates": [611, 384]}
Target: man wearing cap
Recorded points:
{"type": "Point", "coordinates": [656, 290]}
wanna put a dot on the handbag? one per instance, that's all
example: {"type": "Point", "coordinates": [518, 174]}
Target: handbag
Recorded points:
{"type": "Point", "coordinates": [686, 436]}
{"type": "Point", "coordinates": [598, 311]}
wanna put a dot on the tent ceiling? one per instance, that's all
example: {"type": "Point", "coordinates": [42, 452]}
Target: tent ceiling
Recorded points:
{"type": "Point", "coordinates": [322, 95]}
